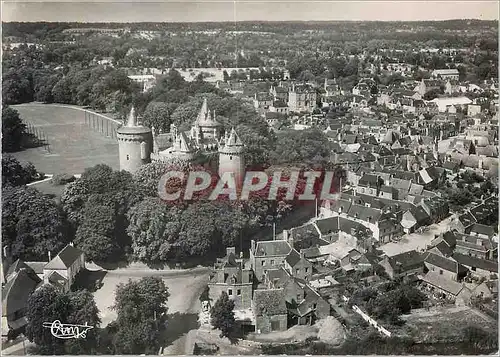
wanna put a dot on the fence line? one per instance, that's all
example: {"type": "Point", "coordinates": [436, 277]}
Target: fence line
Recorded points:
{"type": "Point", "coordinates": [368, 319]}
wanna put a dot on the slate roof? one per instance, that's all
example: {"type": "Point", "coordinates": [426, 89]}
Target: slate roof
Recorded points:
{"type": "Point", "coordinates": [443, 283]}
{"type": "Point", "coordinates": [407, 260]}
{"type": "Point", "coordinates": [441, 262]}
{"type": "Point", "coordinates": [470, 261]}
{"type": "Point", "coordinates": [272, 248]}
{"type": "Point", "coordinates": [302, 232]}
{"type": "Point", "coordinates": [444, 249]}
{"type": "Point", "coordinates": [482, 229]}
{"type": "Point", "coordinates": [65, 258]}
{"type": "Point", "coordinates": [293, 258]}
{"type": "Point", "coordinates": [369, 180]}
{"type": "Point", "coordinates": [450, 239]}
{"type": "Point", "coordinates": [17, 290]}
{"type": "Point", "coordinates": [269, 302]}
{"type": "Point", "coordinates": [467, 219]}
{"type": "Point", "coordinates": [364, 213]}
{"type": "Point", "coordinates": [15, 267]}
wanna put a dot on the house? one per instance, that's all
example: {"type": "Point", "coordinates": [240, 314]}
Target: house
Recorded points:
{"type": "Point", "coordinates": [266, 255]}
{"type": "Point", "coordinates": [404, 264]}
{"type": "Point", "coordinates": [298, 265]}
{"type": "Point", "coordinates": [478, 267]}
{"type": "Point", "coordinates": [301, 99]}
{"type": "Point", "coordinates": [269, 308]}
{"type": "Point", "coordinates": [442, 287]}
{"type": "Point", "coordinates": [263, 101]}
{"type": "Point", "coordinates": [146, 81]}
{"type": "Point", "coordinates": [304, 304]}
{"type": "Point", "coordinates": [450, 74]}
{"type": "Point", "coordinates": [414, 218]}
{"type": "Point", "coordinates": [21, 282]}
{"type": "Point", "coordinates": [309, 307]}
{"type": "Point", "coordinates": [482, 248]}
{"type": "Point", "coordinates": [62, 270]}
{"type": "Point", "coordinates": [233, 276]}
{"type": "Point", "coordinates": [443, 266]}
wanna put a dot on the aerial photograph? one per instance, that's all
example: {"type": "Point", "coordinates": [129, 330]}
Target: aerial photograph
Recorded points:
{"type": "Point", "coordinates": [240, 177]}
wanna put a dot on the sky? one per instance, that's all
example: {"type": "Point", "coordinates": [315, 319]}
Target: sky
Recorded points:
{"type": "Point", "coordinates": [242, 10]}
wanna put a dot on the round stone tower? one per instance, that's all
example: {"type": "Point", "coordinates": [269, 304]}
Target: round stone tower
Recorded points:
{"type": "Point", "coordinates": [231, 158]}
{"type": "Point", "coordinates": [135, 144]}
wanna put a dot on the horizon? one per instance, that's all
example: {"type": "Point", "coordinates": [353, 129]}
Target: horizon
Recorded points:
{"type": "Point", "coordinates": [249, 21]}
{"type": "Point", "coordinates": [238, 11]}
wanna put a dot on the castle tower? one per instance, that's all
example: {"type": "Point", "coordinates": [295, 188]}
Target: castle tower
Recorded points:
{"type": "Point", "coordinates": [231, 158]}
{"type": "Point", "coordinates": [135, 144]}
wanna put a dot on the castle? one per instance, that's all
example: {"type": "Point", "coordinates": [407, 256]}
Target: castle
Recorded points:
{"type": "Point", "coordinates": [139, 145]}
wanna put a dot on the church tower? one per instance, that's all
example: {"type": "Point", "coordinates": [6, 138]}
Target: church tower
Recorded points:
{"type": "Point", "coordinates": [135, 144]}
{"type": "Point", "coordinates": [231, 158]}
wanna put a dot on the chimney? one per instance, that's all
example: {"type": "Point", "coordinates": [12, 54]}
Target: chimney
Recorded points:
{"type": "Point", "coordinates": [285, 235]}
{"type": "Point", "coordinates": [230, 250]}
{"type": "Point", "coordinates": [49, 255]}
{"type": "Point", "coordinates": [252, 245]}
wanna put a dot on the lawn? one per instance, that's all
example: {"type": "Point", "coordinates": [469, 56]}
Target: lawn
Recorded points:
{"type": "Point", "coordinates": [443, 324]}
{"type": "Point", "coordinates": [73, 146]}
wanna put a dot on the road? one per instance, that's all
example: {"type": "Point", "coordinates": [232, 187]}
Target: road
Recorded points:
{"type": "Point", "coordinates": [185, 286]}
{"type": "Point", "coordinates": [416, 241]}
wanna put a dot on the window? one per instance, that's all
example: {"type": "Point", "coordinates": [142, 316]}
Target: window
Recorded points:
{"type": "Point", "coordinates": [230, 292]}
{"type": "Point", "coordinates": [297, 271]}
{"type": "Point", "coordinates": [314, 306]}
{"type": "Point", "coordinates": [299, 297]}
{"type": "Point", "coordinates": [440, 271]}
{"type": "Point", "coordinates": [272, 262]}
{"type": "Point", "coordinates": [263, 263]}
{"type": "Point", "coordinates": [307, 269]}
{"type": "Point", "coordinates": [238, 292]}
{"type": "Point", "coordinates": [128, 157]}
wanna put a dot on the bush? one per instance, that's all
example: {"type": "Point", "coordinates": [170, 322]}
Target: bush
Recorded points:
{"type": "Point", "coordinates": [62, 179]}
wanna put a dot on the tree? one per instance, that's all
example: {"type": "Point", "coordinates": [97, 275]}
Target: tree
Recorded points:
{"type": "Point", "coordinates": [115, 189]}
{"type": "Point", "coordinates": [141, 309]}
{"type": "Point", "coordinates": [15, 174]}
{"type": "Point", "coordinates": [157, 115]}
{"type": "Point", "coordinates": [222, 315]}
{"type": "Point", "coordinates": [300, 147]}
{"type": "Point", "coordinates": [83, 309]}
{"type": "Point", "coordinates": [154, 229]}
{"type": "Point", "coordinates": [95, 235]}
{"type": "Point", "coordinates": [13, 130]}
{"type": "Point", "coordinates": [33, 224]}
{"type": "Point", "coordinates": [45, 305]}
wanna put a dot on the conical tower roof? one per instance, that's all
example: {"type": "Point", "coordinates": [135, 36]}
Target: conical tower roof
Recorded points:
{"type": "Point", "coordinates": [233, 144]}
{"type": "Point", "coordinates": [131, 126]}
{"type": "Point", "coordinates": [204, 119]}
{"type": "Point", "coordinates": [131, 120]}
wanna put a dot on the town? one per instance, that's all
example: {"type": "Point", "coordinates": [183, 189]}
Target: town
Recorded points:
{"type": "Point", "coordinates": [114, 135]}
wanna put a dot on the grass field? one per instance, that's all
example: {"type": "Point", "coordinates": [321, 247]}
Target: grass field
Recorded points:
{"type": "Point", "coordinates": [444, 324]}
{"type": "Point", "coordinates": [73, 146]}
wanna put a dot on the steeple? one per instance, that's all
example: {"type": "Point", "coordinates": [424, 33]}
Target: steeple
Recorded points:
{"type": "Point", "coordinates": [131, 121]}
